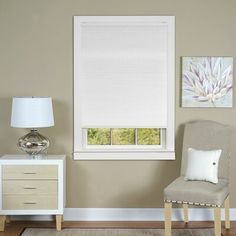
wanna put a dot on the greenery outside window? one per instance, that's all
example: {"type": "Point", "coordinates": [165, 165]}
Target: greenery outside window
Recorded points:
{"type": "Point", "coordinates": [117, 137]}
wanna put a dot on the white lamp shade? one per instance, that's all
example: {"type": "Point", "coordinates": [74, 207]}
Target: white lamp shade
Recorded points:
{"type": "Point", "coordinates": [32, 112]}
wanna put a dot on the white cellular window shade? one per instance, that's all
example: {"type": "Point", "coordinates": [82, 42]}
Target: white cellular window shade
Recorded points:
{"type": "Point", "coordinates": [124, 76]}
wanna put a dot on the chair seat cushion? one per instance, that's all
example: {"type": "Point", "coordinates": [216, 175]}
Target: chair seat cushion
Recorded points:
{"type": "Point", "coordinates": [197, 192]}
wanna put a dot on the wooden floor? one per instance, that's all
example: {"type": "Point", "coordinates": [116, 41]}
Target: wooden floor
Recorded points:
{"type": "Point", "coordinates": [16, 227]}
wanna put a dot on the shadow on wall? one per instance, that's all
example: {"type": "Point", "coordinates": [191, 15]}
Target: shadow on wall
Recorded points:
{"type": "Point", "coordinates": [60, 135]}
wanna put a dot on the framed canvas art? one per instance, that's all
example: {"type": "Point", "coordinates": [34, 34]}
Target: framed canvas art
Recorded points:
{"type": "Point", "coordinates": [207, 81]}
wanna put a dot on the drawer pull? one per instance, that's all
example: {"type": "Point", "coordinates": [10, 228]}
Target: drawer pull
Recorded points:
{"type": "Point", "coordinates": [29, 173]}
{"type": "Point", "coordinates": [29, 188]}
{"type": "Point", "coordinates": [30, 203]}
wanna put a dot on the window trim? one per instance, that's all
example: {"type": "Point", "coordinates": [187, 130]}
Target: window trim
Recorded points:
{"type": "Point", "coordinates": [79, 150]}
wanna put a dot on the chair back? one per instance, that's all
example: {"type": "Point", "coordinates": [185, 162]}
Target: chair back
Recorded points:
{"type": "Point", "coordinates": [208, 135]}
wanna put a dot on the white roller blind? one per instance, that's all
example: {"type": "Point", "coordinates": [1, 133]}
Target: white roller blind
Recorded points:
{"type": "Point", "coordinates": [122, 75]}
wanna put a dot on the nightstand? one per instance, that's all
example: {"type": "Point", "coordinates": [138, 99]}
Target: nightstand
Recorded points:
{"type": "Point", "coordinates": [32, 187]}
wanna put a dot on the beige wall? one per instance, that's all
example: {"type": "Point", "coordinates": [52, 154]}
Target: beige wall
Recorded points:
{"type": "Point", "coordinates": [36, 58]}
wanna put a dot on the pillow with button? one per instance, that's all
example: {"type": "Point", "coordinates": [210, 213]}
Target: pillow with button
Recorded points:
{"type": "Point", "coordinates": [202, 165]}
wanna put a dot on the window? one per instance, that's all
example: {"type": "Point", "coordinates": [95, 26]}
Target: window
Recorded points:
{"type": "Point", "coordinates": [124, 87]}
{"type": "Point", "coordinates": [116, 138]}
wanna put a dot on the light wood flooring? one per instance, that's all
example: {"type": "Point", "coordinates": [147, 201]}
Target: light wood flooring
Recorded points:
{"type": "Point", "coordinates": [15, 228]}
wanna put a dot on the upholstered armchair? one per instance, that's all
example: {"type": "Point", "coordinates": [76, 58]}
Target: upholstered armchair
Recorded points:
{"type": "Point", "coordinates": [202, 135]}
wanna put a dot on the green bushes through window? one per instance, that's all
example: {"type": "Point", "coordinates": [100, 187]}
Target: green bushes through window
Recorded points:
{"type": "Point", "coordinates": [123, 136]}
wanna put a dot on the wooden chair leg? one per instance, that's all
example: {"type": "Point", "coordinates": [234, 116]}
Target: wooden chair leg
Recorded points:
{"type": "Point", "coordinates": [2, 223]}
{"type": "Point", "coordinates": [227, 217]}
{"type": "Point", "coordinates": [217, 217]}
{"type": "Point", "coordinates": [185, 208]}
{"type": "Point", "coordinates": [58, 222]}
{"type": "Point", "coordinates": [168, 209]}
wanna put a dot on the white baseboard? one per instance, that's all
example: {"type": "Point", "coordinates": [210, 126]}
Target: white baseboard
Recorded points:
{"type": "Point", "coordinates": [131, 214]}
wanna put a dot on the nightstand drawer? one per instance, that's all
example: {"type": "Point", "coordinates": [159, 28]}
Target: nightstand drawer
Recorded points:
{"type": "Point", "coordinates": [29, 202]}
{"type": "Point", "coordinates": [29, 172]}
{"type": "Point", "coordinates": [29, 187]}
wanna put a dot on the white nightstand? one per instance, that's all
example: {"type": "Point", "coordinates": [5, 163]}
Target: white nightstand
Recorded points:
{"type": "Point", "coordinates": [32, 187]}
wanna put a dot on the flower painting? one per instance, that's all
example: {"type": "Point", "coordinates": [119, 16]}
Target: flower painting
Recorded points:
{"type": "Point", "coordinates": [207, 81]}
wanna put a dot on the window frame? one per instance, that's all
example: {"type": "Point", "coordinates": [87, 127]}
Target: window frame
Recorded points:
{"type": "Point", "coordinates": [81, 152]}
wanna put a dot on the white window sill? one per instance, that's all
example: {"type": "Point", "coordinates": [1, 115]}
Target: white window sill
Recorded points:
{"type": "Point", "coordinates": [125, 155]}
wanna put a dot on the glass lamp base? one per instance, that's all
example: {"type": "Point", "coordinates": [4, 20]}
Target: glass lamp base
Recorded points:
{"type": "Point", "coordinates": [34, 143]}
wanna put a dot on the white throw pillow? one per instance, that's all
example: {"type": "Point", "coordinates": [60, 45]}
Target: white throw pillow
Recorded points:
{"type": "Point", "coordinates": [203, 165]}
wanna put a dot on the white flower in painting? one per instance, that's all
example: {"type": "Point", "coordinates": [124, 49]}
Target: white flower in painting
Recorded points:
{"type": "Point", "coordinates": [206, 80]}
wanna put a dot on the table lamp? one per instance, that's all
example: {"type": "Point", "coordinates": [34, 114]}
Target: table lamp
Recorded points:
{"type": "Point", "coordinates": [33, 113]}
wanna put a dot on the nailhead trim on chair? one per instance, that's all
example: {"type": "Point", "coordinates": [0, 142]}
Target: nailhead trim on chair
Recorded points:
{"type": "Point", "coordinates": [193, 203]}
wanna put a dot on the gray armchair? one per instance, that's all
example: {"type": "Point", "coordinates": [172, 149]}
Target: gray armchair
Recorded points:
{"type": "Point", "coordinates": [204, 135]}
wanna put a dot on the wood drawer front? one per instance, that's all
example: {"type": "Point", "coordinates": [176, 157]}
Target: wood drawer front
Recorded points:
{"type": "Point", "coordinates": [29, 187]}
{"type": "Point", "coordinates": [30, 171]}
{"type": "Point", "coordinates": [29, 202]}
